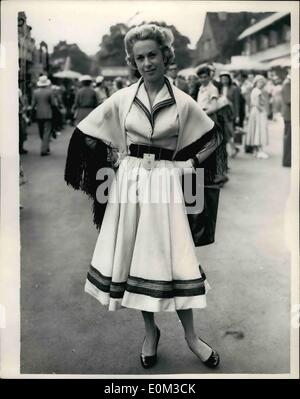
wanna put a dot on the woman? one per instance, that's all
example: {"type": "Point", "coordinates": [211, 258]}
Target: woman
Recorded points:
{"type": "Point", "coordinates": [257, 132]}
{"type": "Point", "coordinates": [232, 93]}
{"type": "Point", "coordinates": [85, 99]}
{"type": "Point", "coordinates": [140, 260]}
{"type": "Point", "coordinates": [101, 90]}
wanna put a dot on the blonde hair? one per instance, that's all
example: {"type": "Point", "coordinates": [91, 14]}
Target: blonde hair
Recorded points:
{"type": "Point", "coordinates": [258, 78]}
{"type": "Point", "coordinates": [162, 36]}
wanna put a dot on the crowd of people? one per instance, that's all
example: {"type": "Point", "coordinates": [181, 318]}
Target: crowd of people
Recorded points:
{"type": "Point", "coordinates": [53, 106]}
{"type": "Point", "coordinates": [241, 104]}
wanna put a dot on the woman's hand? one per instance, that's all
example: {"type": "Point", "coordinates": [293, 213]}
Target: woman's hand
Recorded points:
{"type": "Point", "coordinates": [115, 157]}
{"type": "Point", "coordinates": [185, 167]}
{"type": "Point", "coordinates": [91, 142]}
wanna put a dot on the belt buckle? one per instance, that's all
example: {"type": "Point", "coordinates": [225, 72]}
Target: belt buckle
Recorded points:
{"type": "Point", "coordinates": [148, 161]}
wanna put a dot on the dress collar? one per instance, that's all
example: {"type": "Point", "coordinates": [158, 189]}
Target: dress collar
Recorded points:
{"type": "Point", "coordinates": [166, 93]}
{"type": "Point", "coordinates": [164, 98]}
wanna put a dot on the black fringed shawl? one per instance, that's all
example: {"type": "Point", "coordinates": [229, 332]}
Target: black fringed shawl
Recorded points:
{"type": "Point", "coordinates": [86, 155]}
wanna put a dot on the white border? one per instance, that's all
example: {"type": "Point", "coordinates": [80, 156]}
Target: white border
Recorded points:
{"type": "Point", "coordinates": [10, 229]}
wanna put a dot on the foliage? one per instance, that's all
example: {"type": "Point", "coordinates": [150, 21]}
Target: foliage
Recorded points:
{"type": "Point", "coordinates": [112, 50]}
{"type": "Point", "coordinates": [183, 55]}
{"type": "Point", "coordinates": [80, 62]}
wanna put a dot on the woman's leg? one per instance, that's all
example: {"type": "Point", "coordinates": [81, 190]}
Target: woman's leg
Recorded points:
{"type": "Point", "coordinates": [199, 347]}
{"type": "Point", "coordinates": [149, 345]}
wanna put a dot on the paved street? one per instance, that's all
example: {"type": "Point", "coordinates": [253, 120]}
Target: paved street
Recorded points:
{"type": "Point", "coordinates": [64, 330]}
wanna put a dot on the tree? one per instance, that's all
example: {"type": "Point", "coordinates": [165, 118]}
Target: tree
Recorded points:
{"type": "Point", "coordinates": [183, 55]}
{"type": "Point", "coordinates": [112, 49]}
{"type": "Point", "coordinates": [80, 62]}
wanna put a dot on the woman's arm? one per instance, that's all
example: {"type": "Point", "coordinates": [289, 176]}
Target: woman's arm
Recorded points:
{"type": "Point", "coordinates": [206, 150]}
{"type": "Point", "coordinates": [206, 153]}
{"type": "Point", "coordinates": [213, 106]}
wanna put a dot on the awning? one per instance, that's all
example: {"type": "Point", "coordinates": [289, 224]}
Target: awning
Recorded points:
{"type": "Point", "coordinates": [263, 24]}
{"type": "Point", "coordinates": [245, 63]}
{"type": "Point", "coordinates": [113, 71]}
{"type": "Point", "coordinates": [193, 71]}
{"type": "Point", "coordinates": [282, 62]}
{"type": "Point", "coordinates": [187, 72]}
{"type": "Point", "coordinates": [67, 75]}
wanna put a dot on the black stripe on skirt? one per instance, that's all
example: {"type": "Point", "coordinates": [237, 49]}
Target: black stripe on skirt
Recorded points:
{"type": "Point", "coordinates": [153, 288]}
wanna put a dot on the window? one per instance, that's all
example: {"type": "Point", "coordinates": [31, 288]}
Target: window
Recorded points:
{"type": "Point", "coordinates": [263, 42]}
{"type": "Point", "coordinates": [286, 33]}
{"type": "Point", "coordinates": [253, 45]}
{"type": "Point", "coordinates": [273, 38]}
{"type": "Point", "coordinates": [247, 47]}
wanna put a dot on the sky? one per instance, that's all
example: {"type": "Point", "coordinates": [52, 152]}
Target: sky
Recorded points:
{"type": "Point", "coordinates": [85, 22]}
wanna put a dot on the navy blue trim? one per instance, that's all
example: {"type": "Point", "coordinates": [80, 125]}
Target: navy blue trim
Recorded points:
{"type": "Point", "coordinates": [152, 288]}
{"type": "Point", "coordinates": [169, 86]}
{"type": "Point", "coordinates": [165, 103]}
{"type": "Point", "coordinates": [143, 107]}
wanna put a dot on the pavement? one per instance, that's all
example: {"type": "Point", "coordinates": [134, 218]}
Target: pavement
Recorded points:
{"type": "Point", "coordinates": [66, 331]}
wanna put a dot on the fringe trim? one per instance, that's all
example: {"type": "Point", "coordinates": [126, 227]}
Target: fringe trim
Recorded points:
{"type": "Point", "coordinates": [86, 155]}
{"type": "Point", "coordinates": [216, 163]}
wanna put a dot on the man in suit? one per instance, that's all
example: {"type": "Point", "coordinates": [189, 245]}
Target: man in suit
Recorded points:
{"type": "Point", "coordinates": [177, 81]}
{"type": "Point", "coordinates": [42, 102]}
{"type": "Point", "coordinates": [286, 102]}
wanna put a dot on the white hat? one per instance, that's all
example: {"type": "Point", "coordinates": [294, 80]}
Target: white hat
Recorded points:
{"type": "Point", "coordinates": [99, 79]}
{"type": "Point", "coordinates": [225, 73]}
{"type": "Point", "coordinates": [257, 78]}
{"type": "Point", "coordinates": [85, 78]}
{"type": "Point", "coordinates": [43, 81]}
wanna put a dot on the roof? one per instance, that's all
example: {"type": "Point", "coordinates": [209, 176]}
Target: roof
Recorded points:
{"type": "Point", "coordinates": [226, 31]}
{"type": "Point", "coordinates": [263, 24]}
{"type": "Point", "coordinates": [282, 61]}
{"type": "Point", "coordinates": [107, 71]}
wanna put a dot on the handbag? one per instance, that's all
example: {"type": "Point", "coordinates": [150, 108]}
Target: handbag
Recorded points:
{"type": "Point", "coordinates": [203, 225]}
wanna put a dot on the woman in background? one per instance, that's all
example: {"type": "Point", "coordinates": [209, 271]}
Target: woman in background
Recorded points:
{"type": "Point", "coordinates": [257, 132]}
{"type": "Point", "coordinates": [231, 92]}
{"type": "Point", "coordinates": [85, 99]}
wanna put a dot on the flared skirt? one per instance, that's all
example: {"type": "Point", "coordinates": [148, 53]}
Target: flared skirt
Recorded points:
{"type": "Point", "coordinates": [145, 256]}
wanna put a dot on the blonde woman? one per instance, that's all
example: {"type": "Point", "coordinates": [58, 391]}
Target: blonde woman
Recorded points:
{"type": "Point", "coordinates": [257, 131]}
{"type": "Point", "coordinates": [145, 256]}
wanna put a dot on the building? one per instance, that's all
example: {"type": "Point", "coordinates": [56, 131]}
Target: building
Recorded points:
{"type": "Point", "coordinates": [27, 50]}
{"type": "Point", "coordinates": [32, 61]}
{"type": "Point", "coordinates": [112, 72]}
{"type": "Point", "coordinates": [268, 40]}
{"type": "Point", "coordinates": [218, 41]}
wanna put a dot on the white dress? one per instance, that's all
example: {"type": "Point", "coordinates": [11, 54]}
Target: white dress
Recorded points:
{"type": "Point", "coordinates": [257, 132]}
{"type": "Point", "coordinates": [145, 256]}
